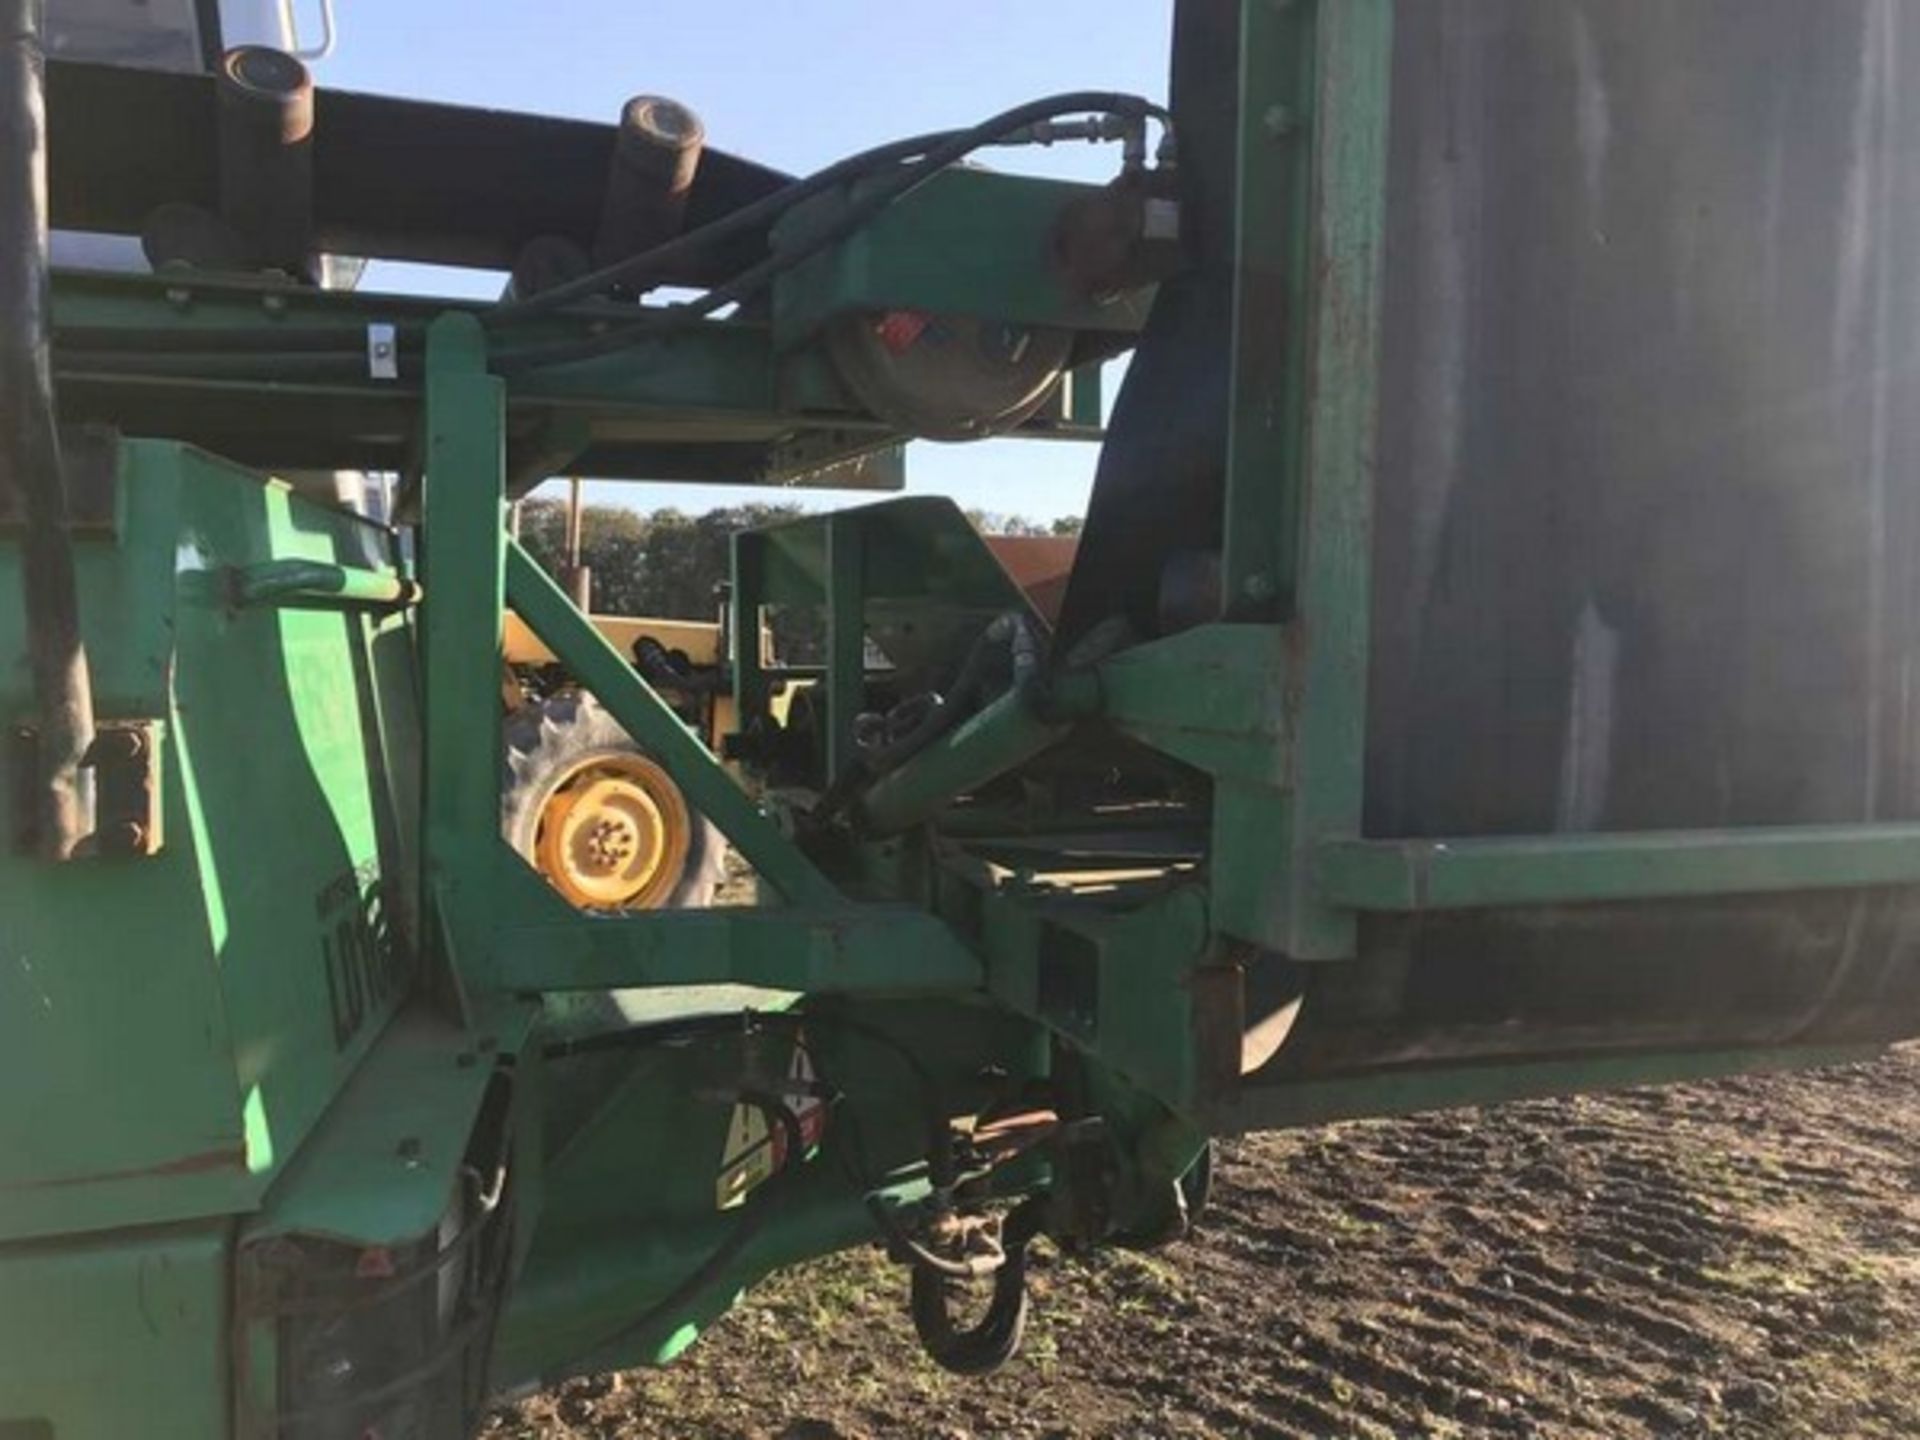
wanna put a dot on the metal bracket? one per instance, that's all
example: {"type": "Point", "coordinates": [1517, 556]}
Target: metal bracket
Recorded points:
{"type": "Point", "coordinates": [126, 767]}
{"type": "Point", "coordinates": [383, 351]}
{"type": "Point", "coordinates": [125, 761]}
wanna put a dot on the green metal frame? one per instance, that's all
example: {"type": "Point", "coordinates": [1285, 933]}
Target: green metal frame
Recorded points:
{"type": "Point", "coordinates": [503, 930]}
{"type": "Point", "coordinates": [1123, 994]}
{"type": "Point", "coordinates": [1315, 113]}
{"type": "Point", "coordinates": [1271, 702]}
{"type": "Point", "coordinates": [1316, 85]}
{"type": "Point", "coordinates": [1414, 876]}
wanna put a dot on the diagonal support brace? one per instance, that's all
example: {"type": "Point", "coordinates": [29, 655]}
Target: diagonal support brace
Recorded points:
{"type": "Point", "coordinates": [649, 720]}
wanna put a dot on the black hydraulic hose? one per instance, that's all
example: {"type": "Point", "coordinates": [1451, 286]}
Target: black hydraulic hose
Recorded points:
{"type": "Point", "coordinates": [693, 1027]}
{"type": "Point", "coordinates": [1011, 633]}
{"type": "Point", "coordinates": [855, 1166]}
{"type": "Point", "coordinates": [635, 270]}
{"type": "Point", "coordinates": [295, 354]}
{"type": "Point", "coordinates": [945, 151]}
{"type": "Point", "coordinates": [777, 1113]}
{"type": "Point", "coordinates": [30, 466]}
{"type": "Point", "coordinates": [992, 1342]}
{"type": "Point", "coordinates": [761, 1207]}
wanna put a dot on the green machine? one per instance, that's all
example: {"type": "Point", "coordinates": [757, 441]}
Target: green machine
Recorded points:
{"type": "Point", "coordinates": [1484, 674]}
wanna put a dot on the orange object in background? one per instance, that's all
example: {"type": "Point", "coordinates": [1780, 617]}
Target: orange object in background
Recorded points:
{"type": "Point", "coordinates": [1039, 565]}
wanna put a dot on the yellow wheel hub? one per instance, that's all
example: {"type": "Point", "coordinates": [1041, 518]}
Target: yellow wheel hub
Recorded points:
{"type": "Point", "coordinates": [615, 834]}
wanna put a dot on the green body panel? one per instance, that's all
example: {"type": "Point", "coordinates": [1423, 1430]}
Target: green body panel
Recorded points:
{"type": "Point", "coordinates": [967, 242]}
{"type": "Point", "coordinates": [182, 1022]}
{"type": "Point", "coordinates": [113, 1336]}
{"type": "Point", "coordinates": [381, 1167]}
{"type": "Point", "coordinates": [1215, 697]}
{"type": "Point", "coordinates": [271, 930]}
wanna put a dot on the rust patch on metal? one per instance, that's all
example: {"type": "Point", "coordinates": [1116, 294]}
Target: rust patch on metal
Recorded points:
{"type": "Point", "coordinates": [228, 1157]}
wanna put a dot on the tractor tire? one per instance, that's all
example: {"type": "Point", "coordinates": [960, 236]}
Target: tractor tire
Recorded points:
{"type": "Point", "coordinates": [555, 745]}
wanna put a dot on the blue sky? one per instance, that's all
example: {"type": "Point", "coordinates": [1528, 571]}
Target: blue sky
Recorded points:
{"type": "Point", "coordinates": [794, 83]}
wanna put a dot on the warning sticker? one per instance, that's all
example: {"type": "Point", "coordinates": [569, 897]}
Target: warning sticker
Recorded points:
{"type": "Point", "coordinates": [755, 1150]}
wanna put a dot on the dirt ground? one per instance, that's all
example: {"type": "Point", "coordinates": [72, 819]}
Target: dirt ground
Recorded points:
{"type": "Point", "coordinates": [1733, 1259]}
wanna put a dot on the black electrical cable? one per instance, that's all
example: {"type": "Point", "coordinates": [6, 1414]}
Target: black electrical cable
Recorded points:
{"type": "Point", "coordinates": [939, 1149]}
{"type": "Point", "coordinates": [853, 1155]}
{"type": "Point", "coordinates": [853, 1164]}
{"type": "Point", "coordinates": [450, 1351]}
{"type": "Point", "coordinates": [472, 1334]}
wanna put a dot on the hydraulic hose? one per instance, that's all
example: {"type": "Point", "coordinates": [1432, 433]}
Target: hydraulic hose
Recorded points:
{"type": "Point", "coordinates": [759, 1209]}
{"type": "Point", "coordinates": [30, 469]}
{"type": "Point", "coordinates": [695, 1027]}
{"type": "Point", "coordinates": [316, 354]}
{"type": "Point", "coordinates": [634, 270]}
{"type": "Point", "coordinates": [934, 152]}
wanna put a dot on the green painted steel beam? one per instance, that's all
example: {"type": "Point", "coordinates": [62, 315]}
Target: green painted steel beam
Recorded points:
{"type": "Point", "coordinates": [1014, 729]}
{"type": "Point", "coordinates": [1273, 292]}
{"type": "Point", "coordinates": [711, 401]}
{"type": "Point", "coordinates": [610, 678]}
{"type": "Point", "coordinates": [545, 946]}
{"type": "Point", "coordinates": [1416, 876]}
{"type": "Point", "coordinates": [462, 553]}
{"type": "Point", "coordinates": [816, 950]}
{"type": "Point", "coordinates": [1215, 697]}
{"type": "Point", "coordinates": [1316, 91]}
{"type": "Point", "coordinates": [1286, 1104]}
{"type": "Point", "coordinates": [846, 607]}
{"type": "Point", "coordinates": [297, 584]}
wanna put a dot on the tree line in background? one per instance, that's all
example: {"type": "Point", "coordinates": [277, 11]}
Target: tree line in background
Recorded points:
{"type": "Point", "coordinates": [668, 563]}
